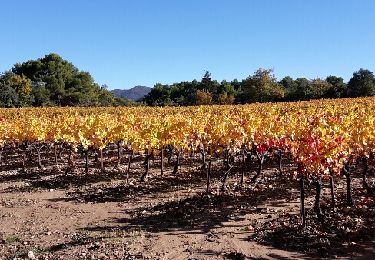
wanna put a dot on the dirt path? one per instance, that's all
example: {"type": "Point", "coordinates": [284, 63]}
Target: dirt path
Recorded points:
{"type": "Point", "coordinates": [58, 216]}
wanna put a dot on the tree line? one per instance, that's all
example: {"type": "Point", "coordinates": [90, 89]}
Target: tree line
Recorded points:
{"type": "Point", "coordinates": [260, 87]}
{"type": "Point", "coordinates": [53, 81]}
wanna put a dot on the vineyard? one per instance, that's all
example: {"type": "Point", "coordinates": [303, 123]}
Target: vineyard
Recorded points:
{"type": "Point", "coordinates": [234, 152]}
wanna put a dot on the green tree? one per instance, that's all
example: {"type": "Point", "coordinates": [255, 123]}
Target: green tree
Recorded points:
{"type": "Point", "coordinates": [104, 97]}
{"type": "Point", "coordinates": [338, 88]}
{"type": "Point", "coordinates": [301, 90]}
{"type": "Point", "coordinates": [41, 95]}
{"type": "Point", "coordinates": [56, 81]}
{"type": "Point", "coordinates": [262, 87]}
{"type": "Point", "coordinates": [208, 84]}
{"type": "Point", "coordinates": [184, 93]}
{"type": "Point", "coordinates": [317, 88]}
{"type": "Point", "coordinates": [159, 95]}
{"type": "Point", "coordinates": [206, 79]}
{"type": "Point", "coordinates": [8, 96]}
{"type": "Point", "coordinates": [290, 87]}
{"type": "Point", "coordinates": [21, 85]}
{"type": "Point", "coordinates": [361, 84]}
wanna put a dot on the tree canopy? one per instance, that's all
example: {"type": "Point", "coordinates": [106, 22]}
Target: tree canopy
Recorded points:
{"type": "Point", "coordinates": [262, 86]}
{"type": "Point", "coordinates": [362, 84]}
{"type": "Point", "coordinates": [51, 81]}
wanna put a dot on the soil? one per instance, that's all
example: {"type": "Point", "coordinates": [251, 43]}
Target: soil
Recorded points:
{"type": "Point", "coordinates": [52, 213]}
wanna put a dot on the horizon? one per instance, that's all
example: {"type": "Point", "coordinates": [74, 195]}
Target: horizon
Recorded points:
{"type": "Point", "coordinates": [125, 44]}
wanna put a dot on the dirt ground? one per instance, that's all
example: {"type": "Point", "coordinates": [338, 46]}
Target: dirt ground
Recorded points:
{"type": "Point", "coordinates": [48, 214]}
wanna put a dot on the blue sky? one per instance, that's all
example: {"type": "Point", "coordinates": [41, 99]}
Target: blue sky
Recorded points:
{"type": "Point", "coordinates": [139, 42]}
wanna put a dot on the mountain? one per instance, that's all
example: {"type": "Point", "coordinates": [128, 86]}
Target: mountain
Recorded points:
{"type": "Point", "coordinates": [134, 93]}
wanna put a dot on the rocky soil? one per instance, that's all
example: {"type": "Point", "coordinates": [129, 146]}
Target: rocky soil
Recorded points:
{"type": "Point", "coordinates": [50, 213]}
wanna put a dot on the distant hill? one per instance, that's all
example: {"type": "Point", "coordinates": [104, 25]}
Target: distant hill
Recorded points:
{"type": "Point", "coordinates": [134, 93]}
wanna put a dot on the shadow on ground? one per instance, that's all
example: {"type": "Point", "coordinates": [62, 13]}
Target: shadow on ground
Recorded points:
{"type": "Point", "coordinates": [346, 232]}
{"type": "Point", "coordinates": [197, 213]}
{"type": "Point", "coordinates": [123, 192]}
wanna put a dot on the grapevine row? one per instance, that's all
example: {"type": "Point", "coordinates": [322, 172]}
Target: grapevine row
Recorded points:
{"type": "Point", "coordinates": [322, 137]}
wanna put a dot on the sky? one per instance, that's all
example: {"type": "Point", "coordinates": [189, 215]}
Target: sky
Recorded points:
{"type": "Point", "coordinates": [143, 42]}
